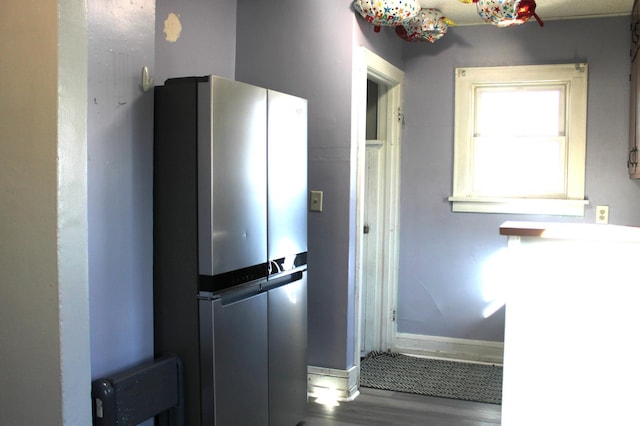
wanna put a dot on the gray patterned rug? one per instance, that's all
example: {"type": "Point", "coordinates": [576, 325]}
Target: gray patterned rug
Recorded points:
{"type": "Point", "coordinates": [433, 377]}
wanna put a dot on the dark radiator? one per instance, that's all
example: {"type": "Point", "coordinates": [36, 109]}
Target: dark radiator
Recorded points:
{"type": "Point", "coordinates": [152, 389]}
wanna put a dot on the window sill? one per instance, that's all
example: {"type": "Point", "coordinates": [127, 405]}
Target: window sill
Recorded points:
{"type": "Point", "coordinates": [559, 207]}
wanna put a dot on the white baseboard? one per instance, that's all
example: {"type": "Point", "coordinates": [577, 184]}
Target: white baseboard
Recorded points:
{"type": "Point", "coordinates": [450, 348]}
{"type": "Point", "coordinates": [341, 385]}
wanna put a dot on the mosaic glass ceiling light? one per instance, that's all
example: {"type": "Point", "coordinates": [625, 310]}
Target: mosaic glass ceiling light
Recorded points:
{"type": "Point", "coordinates": [428, 25]}
{"type": "Point", "coordinates": [388, 13]}
{"type": "Point", "coordinates": [505, 13]}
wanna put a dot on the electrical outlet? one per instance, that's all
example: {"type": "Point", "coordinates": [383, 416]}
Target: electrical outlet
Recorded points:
{"type": "Point", "coordinates": [602, 214]}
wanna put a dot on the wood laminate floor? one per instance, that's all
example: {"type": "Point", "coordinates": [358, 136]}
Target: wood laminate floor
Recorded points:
{"type": "Point", "coordinates": [378, 407]}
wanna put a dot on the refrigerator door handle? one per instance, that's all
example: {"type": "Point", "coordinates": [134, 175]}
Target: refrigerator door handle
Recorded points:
{"type": "Point", "coordinates": [284, 280]}
{"type": "Point", "coordinates": [240, 293]}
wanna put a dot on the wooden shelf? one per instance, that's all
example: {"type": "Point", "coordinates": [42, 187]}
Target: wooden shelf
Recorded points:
{"type": "Point", "coordinates": [571, 231]}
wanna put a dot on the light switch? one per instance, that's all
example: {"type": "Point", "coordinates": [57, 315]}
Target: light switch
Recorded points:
{"type": "Point", "coordinates": [316, 201]}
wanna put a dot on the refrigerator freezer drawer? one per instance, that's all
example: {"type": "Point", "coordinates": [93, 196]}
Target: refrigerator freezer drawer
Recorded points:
{"type": "Point", "coordinates": [254, 356]}
{"type": "Point", "coordinates": [234, 365]}
{"type": "Point", "coordinates": [288, 353]}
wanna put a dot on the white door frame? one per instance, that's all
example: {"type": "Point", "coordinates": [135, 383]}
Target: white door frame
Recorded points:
{"type": "Point", "coordinates": [370, 66]}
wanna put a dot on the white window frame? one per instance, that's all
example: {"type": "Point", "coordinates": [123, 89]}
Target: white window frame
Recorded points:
{"type": "Point", "coordinates": [572, 201]}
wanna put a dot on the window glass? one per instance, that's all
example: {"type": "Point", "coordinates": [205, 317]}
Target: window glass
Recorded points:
{"type": "Point", "coordinates": [509, 167]}
{"type": "Point", "coordinates": [519, 110]}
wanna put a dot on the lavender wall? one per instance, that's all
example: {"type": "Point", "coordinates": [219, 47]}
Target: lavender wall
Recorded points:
{"type": "Point", "coordinates": [119, 181]}
{"type": "Point", "coordinates": [446, 257]}
{"type": "Point", "coordinates": [385, 43]}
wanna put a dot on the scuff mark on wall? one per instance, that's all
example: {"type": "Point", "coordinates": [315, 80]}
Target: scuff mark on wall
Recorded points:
{"type": "Point", "coordinates": [172, 27]}
{"type": "Point", "coordinates": [425, 310]}
{"type": "Point", "coordinates": [431, 304]}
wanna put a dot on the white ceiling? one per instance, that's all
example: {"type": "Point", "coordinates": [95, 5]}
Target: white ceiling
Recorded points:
{"type": "Point", "coordinates": [547, 10]}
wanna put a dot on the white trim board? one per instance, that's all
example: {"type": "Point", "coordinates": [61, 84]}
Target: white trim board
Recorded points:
{"type": "Point", "coordinates": [341, 385]}
{"type": "Point", "coordinates": [449, 348]}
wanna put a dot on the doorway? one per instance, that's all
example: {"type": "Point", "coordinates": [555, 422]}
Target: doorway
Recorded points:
{"type": "Point", "coordinates": [377, 205]}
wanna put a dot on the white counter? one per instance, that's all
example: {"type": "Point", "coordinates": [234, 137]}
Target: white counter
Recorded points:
{"type": "Point", "coordinates": [572, 332]}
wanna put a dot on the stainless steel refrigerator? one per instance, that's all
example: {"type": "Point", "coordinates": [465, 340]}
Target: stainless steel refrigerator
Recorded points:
{"type": "Point", "coordinates": [230, 248]}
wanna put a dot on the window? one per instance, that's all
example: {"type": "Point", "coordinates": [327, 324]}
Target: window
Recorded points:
{"type": "Point", "coordinates": [520, 139]}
